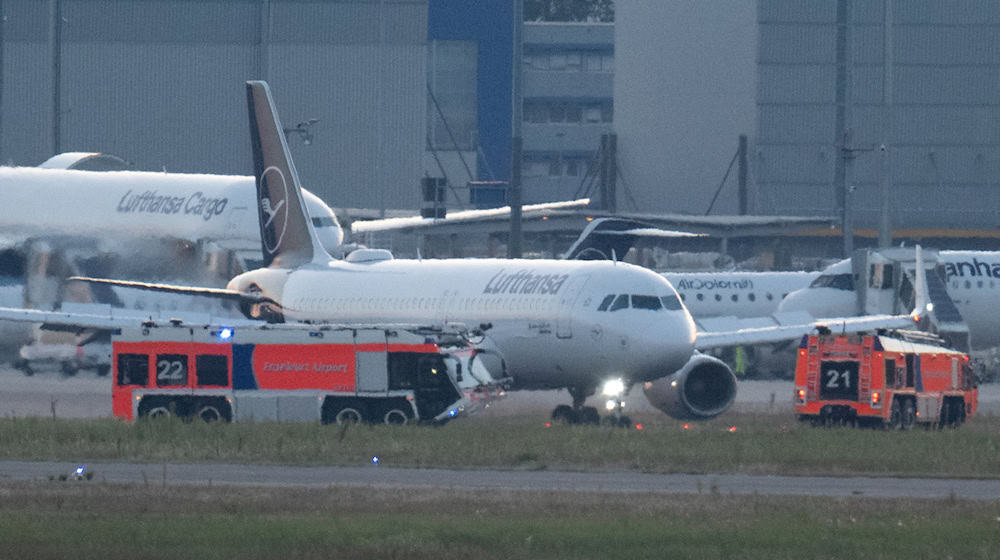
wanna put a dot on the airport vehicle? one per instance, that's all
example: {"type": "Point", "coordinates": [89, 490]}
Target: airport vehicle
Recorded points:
{"type": "Point", "coordinates": [327, 373]}
{"type": "Point", "coordinates": [896, 379]}
{"type": "Point", "coordinates": [558, 323]}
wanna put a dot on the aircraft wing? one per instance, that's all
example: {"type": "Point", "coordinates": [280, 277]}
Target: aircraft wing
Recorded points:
{"type": "Point", "coordinates": [94, 316]}
{"type": "Point", "coordinates": [529, 211]}
{"type": "Point", "coordinates": [730, 331]}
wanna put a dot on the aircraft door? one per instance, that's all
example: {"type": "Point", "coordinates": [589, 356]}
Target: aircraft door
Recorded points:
{"type": "Point", "coordinates": [568, 297]}
{"type": "Point", "coordinates": [371, 360]}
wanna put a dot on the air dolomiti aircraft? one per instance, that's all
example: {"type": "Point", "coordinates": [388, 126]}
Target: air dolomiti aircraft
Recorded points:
{"type": "Point", "coordinates": [559, 323]}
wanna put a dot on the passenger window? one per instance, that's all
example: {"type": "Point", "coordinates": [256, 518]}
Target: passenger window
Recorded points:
{"type": "Point", "coordinates": [171, 370]}
{"type": "Point", "coordinates": [212, 371]}
{"type": "Point", "coordinates": [735, 298]}
{"type": "Point", "coordinates": [133, 369]}
{"type": "Point", "coordinates": [751, 297]}
{"type": "Point", "coordinates": [769, 296]}
{"type": "Point", "coordinates": [621, 302]}
{"type": "Point", "coordinates": [718, 297]}
{"type": "Point", "coordinates": [683, 298]}
{"type": "Point", "coordinates": [651, 303]}
{"type": "Point", "coordinates": [606, 302]}
{"type": "Point", "coordinates": [671, 303]}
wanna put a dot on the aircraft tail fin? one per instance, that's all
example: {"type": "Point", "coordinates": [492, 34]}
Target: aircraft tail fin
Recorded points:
{"type": "Point", "coordinates": [287, 237]}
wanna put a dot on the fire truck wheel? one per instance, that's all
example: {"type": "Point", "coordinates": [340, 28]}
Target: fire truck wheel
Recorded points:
{"type": "Point", "coordinates": [158, 412]}
{"type": "Point", "coordinates": [895, 416]}
{"type": "Point", "coordinates": [209, 413]}
{"type": "Point", "coordinates": [395, 416]}
{"type": "Point", "coordinates": [909, 415]}
{"type": "Point", "coordinates": [349, 415]}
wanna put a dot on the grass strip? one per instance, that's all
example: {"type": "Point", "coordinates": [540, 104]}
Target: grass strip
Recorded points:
{"type": "Point", "coordinates": [84, 520]}
{"type": "Point", "coordinates": [746, 443]}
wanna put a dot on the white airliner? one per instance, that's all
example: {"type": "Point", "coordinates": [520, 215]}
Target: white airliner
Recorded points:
{"type": "Point", "coordinates": [972, 281]}
{"type": "Point", "coordinates": [559, 323]}
{"type": "Point", "coordinates": [138, 204]}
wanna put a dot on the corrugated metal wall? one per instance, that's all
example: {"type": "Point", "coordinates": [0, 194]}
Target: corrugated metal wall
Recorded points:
{"type": "Point", "coordinates": [160, 82]}
{"type": "Point", "coordinates": [945, 137]}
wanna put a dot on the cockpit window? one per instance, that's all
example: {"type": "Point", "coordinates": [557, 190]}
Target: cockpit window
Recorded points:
{"type": "Point", "coordinates": [323, 221]}
{"type": "Point", "coordinates": [607, 301]}
{"type": "Point", "coordinates": [651, 303]}
{"type": "Point", "coordinates": [621, 302]}
{"type": "Point", "coordinates": [835, 281]}
{"type": "Point", "coordinates": [671, 303]}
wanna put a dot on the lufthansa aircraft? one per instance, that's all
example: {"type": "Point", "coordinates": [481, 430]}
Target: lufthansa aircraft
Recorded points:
{"type": "Point", "coordinates": [971, 278]}
{"type": "Point", "coordinates": [558, 323]}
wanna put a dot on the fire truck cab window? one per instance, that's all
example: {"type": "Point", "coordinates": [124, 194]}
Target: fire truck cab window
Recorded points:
{"type": "Point", "coordinates": [606, 302]}
{"type": "Point", "coordinates": [133, 369]}
{"type": "Point", "coordinates": [620, 303]}
{"type": "Point", "coordinates": [402, 370]}
{"type": "Point", "coordinates": [431, 371]}
{"type": "Point", "coordinates": [890, 373]}
{"type": "Point", "coordinates": [212, 371]}
{"type": "Point", "coordinates": [171, 370]}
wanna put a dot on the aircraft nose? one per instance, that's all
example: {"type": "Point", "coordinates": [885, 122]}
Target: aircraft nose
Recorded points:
{"type": "Point", "coordinates": [667, 343]}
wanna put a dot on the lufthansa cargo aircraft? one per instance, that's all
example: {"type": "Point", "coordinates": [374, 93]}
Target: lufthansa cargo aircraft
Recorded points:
{"type": "Point", "coordinates": [559, 323]}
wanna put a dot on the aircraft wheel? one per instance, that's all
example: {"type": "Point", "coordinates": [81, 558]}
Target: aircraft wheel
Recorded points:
{"type": "Point", "coordinates": [909, 418]}
{"type": "Point", "coordinates": [565, 414]}
{"type": "Point", "coordinates": [589, 415]}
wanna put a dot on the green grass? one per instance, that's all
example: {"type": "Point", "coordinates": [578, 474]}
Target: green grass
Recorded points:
{"type": "Point", "coordinates": [84, 520]}
{"type": "Point", "coordinates": [761, 444]}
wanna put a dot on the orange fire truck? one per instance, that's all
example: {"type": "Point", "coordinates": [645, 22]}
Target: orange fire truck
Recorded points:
{"type": "Point", "coordinates": [291, 373]}
{"type": "Point", "coordinates": [896, 379]}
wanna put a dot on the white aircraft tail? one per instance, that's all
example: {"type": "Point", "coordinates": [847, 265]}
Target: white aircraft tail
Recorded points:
{"type": "Point", "coordinates": [922, 305]}
{"type": "Point", "coordinates": [287, 238]}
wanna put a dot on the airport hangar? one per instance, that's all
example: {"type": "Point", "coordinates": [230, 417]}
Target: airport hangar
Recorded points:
{"type": "Point", "coordinates": [383, 77]}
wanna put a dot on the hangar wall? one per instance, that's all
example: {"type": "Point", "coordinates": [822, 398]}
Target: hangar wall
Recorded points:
{"type": "Point", "coordinates": [160, 82]}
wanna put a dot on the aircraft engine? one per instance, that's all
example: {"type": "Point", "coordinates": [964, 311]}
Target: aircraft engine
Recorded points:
{"type": "Point", "coordinates": [704, 388]}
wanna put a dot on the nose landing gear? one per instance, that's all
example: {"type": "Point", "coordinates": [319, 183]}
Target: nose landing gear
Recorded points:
{"type": "Point", "coordinates": [579, 414]}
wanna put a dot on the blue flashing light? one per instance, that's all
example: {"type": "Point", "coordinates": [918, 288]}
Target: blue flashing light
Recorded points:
{"type": "Point", "coordinates": [79, 470]}
{"type": "Point", "coordinates": [375, 460]}
{"type": "Point", "coordinates": [225, 333]}
{"type": "Point", "coordinates": [452, 412]}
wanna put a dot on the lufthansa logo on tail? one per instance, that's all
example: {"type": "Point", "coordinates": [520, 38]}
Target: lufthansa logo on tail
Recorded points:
{"type": "Point", "coordinates": [274, 206]}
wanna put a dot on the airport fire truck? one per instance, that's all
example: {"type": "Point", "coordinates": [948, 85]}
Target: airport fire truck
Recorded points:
{"type": "Point", "coordinates": [896, 379]}
{"type": "Point", "coordinates": [332, 374]}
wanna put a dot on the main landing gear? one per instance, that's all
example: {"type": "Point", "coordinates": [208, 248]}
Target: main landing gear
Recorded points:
{"type": "Point", "coordinates": [579, 414]}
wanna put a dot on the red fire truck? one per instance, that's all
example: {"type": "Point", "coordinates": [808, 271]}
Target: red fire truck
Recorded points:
{"type": "Point", "coordinates": [896, 379]}
{"type": "Point", "coordinates": [296, 373]}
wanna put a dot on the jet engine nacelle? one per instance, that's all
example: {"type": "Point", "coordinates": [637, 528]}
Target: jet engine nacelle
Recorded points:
{"type": "Point", "coordinates": [704, 388]}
